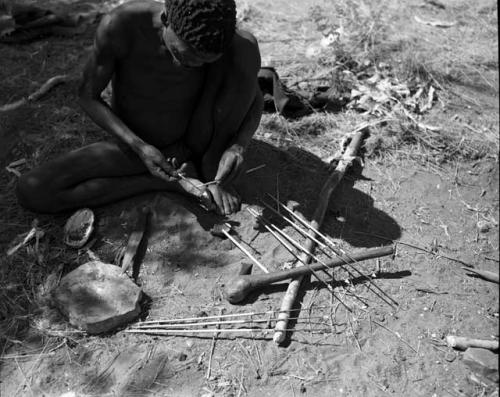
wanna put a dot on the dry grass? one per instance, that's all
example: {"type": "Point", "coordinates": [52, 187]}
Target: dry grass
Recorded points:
{"type": "Point", "coordinates": [458, 63]}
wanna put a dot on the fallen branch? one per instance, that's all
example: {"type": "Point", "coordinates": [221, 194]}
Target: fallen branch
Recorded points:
{"type": "Point", "coordinates": [463, 343]}
{"type": "Point", "coordinates": [44, 89]}
{"type": "Point", "coordinates": [324, 197]}
{"type": "Point", "coordinates": [484, 274]}
{"type": "Point", "coordinates": [437, 24]}
{"type": "Point", "coordinates": [27, 238]}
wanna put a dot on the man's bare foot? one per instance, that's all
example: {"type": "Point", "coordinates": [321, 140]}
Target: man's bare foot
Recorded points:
{"type": "Point", "coordinates": [190, 181]}
{"type": "Point", "coordinates": [226, 199]}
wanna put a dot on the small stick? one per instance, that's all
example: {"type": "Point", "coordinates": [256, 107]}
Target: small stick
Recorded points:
{"type": "Point", "coordinates": [31, 234]}
{"type": "Point", "coordinates": [463, 343]}
{"type": "Point", "coordinates": [187, 180]}
{"type": "Point", "coordinates": [395, 334]}
{"type": "Point", "coordinates": [290, 249]}
{"type": "Point", "coordinates": [239, 237]}
{"type": "Point", "coordinates": [209, 183]}
{"type": "Point", "coordinates": [217, 330]}
{"type": "Point", "coordinates": [249, 314]}
{"type": "Point", "coordinates": [212, 350]}
{"type": "Point", "coordinates": [468, 265]}
{"type": "Point", "coordinates": [255, 169]}
{"type": "Point", "coordinates": [216, 323]}
{"type": "Point", "coordinates": [484, 274]}
{"type": "Point", "coordinates": [296, 227]}
{"type": "Point", "coordinates": [215, 182]}
{"type": "Point", "coordinates": [331, 245]}
{"type": "Point", "coordinates": [248, 254]}
{"type": "Point", "coordinates": [46, 87]}
{"type": "Point", "coordinates": [370, 283]}
{"type": "Point", "coordinates": [297, 245]}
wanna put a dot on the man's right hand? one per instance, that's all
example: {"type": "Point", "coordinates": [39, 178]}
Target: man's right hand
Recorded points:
{"type": "Point", "coordinates": [156, 163]}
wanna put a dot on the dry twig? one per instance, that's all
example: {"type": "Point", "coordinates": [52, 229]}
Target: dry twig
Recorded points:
{"type": "Point", "coordinates": [44, 89]}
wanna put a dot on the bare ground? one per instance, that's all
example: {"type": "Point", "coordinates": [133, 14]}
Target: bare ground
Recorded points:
{"type": "Point", "coordinates": [433, 190]}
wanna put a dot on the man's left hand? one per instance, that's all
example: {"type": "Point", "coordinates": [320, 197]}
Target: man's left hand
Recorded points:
{"type": "Point", "coordinates": [230, 165]}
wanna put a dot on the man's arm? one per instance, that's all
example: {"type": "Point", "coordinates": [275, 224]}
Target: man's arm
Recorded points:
{"type": "Point", "coordinates": [111, 44]}
{"type": "Point", "coordinates": [237, 110]}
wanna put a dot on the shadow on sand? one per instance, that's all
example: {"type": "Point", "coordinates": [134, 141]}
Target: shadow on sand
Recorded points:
{"type": "Point", "coordinates": [291, 174]}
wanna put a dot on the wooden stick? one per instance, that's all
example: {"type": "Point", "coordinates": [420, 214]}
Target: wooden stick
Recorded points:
{"type": "Point", "coordinates": [255, 169]}
{"type": "Point", "coordinates": [240, 286]}
{"type": "Point", "coordinates": [243, 249]}
{"type": "Point", "coordinates": [234, 315]}
{"type": "Point", "coordinates": [217, 330]}
{"type": "Point", "coordinates": [437, 255]}
{"type": "Point", "coordinates": [332, 247]}
{"type": "Point", "coordinates": [319, 214]}
{"type": "Point", "coordinates": [297, 257]}
{"type": "Point", "coordinates": [212, 350]}
{"type": "Point", "coordinates": [31, 234]}
{"type": "Point", "coordinates": [484, 274]}
{"type": "Point", "coordinates": [46, 87]}
{"type": "Point", "coordinates": [216, 323]}
{"type": "Point", "coordinates": [370, 281]}
{"type": "Point", "coordinates": [463, 343]}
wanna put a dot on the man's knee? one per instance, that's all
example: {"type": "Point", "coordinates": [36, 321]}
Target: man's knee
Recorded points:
{"type": "Point", "coordinates": [32, 193]}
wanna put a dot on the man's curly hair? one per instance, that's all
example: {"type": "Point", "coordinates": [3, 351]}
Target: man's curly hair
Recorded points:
{"type": "Point", "coordinates": [207, 25]}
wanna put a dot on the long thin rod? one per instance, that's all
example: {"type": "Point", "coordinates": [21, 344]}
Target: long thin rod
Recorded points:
{"type": "Point", "coordinates": [221, 330]}
{"type": "Point", "coordinates": [249, 314]}
{"type": "Point", "coordinates": [331, 246]}
{"type": "Point", "coordinates": [290, 249]}
{"type": "Point", "coordinates": [258, 321]}
{"type": "Point", "coordinates": [301, 248]}
{"type": "Point", "coordinates": [245, 251]}
{"type": "Point", "coordinates": [305, 233]}
{"type": "Point", "coordinates": [323, 248]}
{"type": "Point", "coordinates": [314, 257]}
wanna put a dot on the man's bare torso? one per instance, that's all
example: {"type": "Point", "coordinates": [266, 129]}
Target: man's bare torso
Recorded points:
{"type": "Point", "coordinates": [153, 96]}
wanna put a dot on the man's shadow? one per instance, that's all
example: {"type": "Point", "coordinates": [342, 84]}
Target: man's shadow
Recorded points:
{"type": "Point", "coordinates": [289, 174]}
{"type": "Point", "coordinates": [295, 175]}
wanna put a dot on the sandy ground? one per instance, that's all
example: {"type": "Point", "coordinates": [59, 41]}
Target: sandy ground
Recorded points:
{"type": "Point", "coordinates": [374, 350]}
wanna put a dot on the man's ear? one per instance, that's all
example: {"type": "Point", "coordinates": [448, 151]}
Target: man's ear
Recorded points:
{"type": "Point", "coordinates": [164, 18]}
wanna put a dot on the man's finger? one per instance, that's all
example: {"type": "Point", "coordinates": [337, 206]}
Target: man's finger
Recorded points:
{"type": "Point", "coordinates": [168, 168]}
{"type": "Point", "coordinates": [227, 204]}
{"type": "Point", "coordinates": [183, 168]}
{"type": "Point", "coordinates": [159, 173]}
{"type": "Point", "coordinates": [233, 204]}
{"type": "Point", "coordinates": [218, 201]}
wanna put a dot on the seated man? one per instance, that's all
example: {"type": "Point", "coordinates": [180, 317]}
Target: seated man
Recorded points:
{"type": "Point", "coordinates": [185, 100]}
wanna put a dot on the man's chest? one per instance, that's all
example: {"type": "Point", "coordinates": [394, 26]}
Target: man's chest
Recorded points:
{"type": "Point", "coordinates": [151, 73]}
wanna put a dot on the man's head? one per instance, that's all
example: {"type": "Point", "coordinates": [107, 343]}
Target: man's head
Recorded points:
{"type": "Point", "coordinates": [206, 26]}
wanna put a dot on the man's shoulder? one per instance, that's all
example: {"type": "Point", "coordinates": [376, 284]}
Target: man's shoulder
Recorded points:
{"type": "Point", "coordinates": [245, 50]}
{"type": "Point", "coordinates": [244, 40]}
{"type": "Point", "coordinates": [131, 14]}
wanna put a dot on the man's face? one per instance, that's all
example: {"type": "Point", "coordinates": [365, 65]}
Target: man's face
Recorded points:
{"type": "Point", "coordinates": [183, 54]}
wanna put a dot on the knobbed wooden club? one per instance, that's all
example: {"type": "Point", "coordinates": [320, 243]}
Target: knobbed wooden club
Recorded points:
{"type": "Point", "coordinates": [239, 288]}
